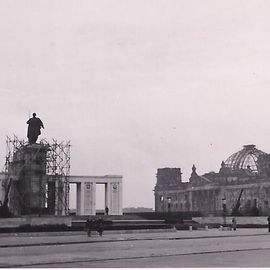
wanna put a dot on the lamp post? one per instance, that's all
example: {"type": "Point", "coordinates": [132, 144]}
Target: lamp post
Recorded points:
{"type": "Point", "coordinates": [169, 199]}
{"type": "Point", "coordinates": [224, 210]}
{"type": "Point", "coordinates": [162, 203]}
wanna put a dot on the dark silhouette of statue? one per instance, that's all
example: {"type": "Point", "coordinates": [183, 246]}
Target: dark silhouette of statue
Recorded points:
{"type": "Point", "coordinates": [34, 126]}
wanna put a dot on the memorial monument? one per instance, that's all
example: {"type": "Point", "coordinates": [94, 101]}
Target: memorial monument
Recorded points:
{"type": "Point", "coordinates": [28, 173]}
{"type": "Point", "coordinates": [34, 126]}
{"type": "Point", "coordinates": [38, 178]}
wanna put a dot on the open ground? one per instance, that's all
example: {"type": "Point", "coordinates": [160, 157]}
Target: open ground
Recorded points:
{"type": "Point", "coordinates": [204, 248]}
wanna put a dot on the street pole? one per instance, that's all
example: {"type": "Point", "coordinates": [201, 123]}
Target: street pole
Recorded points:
{"type": "Point", "coordinates": [224, 211]}
{"type": "Point", "coordinates": [169, 204]}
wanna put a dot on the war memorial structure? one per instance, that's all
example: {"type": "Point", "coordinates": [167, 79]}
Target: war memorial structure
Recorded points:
{"type": "Point", "coordinates": [37, 179]}
{"type": "Point", "coordinates": [241, 187]}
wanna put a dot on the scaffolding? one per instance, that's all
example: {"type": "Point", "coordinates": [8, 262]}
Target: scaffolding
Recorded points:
{"type": "Point", "coordinates": [13, 145]}
{"type": "Point", "coordinates": [57, 169]}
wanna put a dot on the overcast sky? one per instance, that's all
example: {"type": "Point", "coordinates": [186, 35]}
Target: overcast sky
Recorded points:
{"type": "Point", "coordinates": [138, 85]}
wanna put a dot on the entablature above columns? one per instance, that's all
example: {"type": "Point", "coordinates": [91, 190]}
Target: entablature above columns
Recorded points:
{"type": "Point", "coordinates": [96, 179]}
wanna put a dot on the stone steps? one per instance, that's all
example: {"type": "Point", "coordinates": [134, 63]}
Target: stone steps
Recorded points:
{"type": "Point", "coordinates": [127, 224]}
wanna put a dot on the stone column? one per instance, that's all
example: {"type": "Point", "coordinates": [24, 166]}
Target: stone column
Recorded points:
{"type": "Point", "coordinates": [80, 199]}
{"type": "Point", "coordinates": [190, 193]}
{"type": "Point", "coordinates": [115, 190]}
{"type": "Point", "coordinates": [120, 196]}
{"type": "Point", "coordinates": [89, 198]}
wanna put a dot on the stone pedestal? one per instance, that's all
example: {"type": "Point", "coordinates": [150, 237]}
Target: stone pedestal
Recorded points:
{"type": "Point", "coordinates": [28, 174]}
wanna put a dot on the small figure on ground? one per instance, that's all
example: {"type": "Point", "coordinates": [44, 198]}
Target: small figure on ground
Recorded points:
{"type": "Point", "coordinates": [268, 219]}
{"type": "Point", "coordinates": [34, 126]}
{"type": "Point", "coordinates": [100, 226]}
{"type": "Point", "coordinates": [234, 224]}
{"type": "Point", "coordinates": [89, 226]}
{"type": "Point", "coordinates": [107, 210]}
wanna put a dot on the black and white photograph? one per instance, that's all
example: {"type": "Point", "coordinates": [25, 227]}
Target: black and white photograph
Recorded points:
{"type": "Point", "coordinates": [134, 134]}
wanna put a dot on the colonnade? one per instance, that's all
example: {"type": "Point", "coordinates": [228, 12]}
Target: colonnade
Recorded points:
{"type": "Point", "coordinates": [86, 193]}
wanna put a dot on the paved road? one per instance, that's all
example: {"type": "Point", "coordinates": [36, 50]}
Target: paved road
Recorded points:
{"type": "Point", "coordinates": [253, 259]}
{"type": "Point", "coordinates": [212, 248]}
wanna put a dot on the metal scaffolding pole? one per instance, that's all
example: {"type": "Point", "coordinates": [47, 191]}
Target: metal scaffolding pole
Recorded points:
{"type": "Point", "coordinates": [58, 169]}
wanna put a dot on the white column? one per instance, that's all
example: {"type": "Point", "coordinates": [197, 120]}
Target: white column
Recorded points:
{"type": "Point", "coordinates": [120, 205]}
{"type": "Point", "coordinates": [116, 199]}
{"type": "Point", "coordinates": [90, 198]}
{"type": "Point", "coordinates": [80, 199]}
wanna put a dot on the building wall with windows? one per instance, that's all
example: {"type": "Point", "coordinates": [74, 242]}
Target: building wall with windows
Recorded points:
{"type": "Point", "coordinates": [242, 184]}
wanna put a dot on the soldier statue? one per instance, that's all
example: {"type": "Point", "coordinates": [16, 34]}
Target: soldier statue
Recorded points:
{"type": "Point", "coordinates": [34, 126]}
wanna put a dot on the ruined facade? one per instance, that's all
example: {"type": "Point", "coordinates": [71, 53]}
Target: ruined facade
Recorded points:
{"type": "Point", "coordinates": [241, 187]}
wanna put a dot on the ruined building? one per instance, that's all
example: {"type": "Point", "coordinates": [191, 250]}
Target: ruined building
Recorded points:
{"type": "Point", "coordinates": [241, 187]}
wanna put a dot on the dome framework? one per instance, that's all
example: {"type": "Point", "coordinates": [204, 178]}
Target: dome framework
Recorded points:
{"type": "Point", "coordinates": [245, 158]}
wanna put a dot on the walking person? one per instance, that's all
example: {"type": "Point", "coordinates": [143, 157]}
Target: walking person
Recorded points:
{"type": "Point", "coordinates": [268, 219]}
{"type": "Point", "coordinates": [100, 226]}
{"type": "Point", "coordinates": [89, 226]}
{"type": "Point", "coordinates": [107, 210]}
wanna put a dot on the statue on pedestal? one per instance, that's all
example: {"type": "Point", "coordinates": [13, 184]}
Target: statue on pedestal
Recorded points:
{"type": "Point", "coordinates": [34, 126]}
